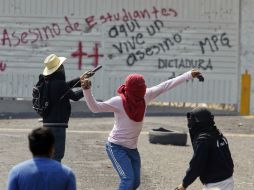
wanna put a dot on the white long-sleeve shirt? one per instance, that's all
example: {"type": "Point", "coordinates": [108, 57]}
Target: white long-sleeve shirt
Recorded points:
{"type": "Point", "coordinates": [126, 131]}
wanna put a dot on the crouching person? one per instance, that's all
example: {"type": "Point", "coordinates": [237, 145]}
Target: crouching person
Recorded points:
{"type": "Point", "coordinates": [211, 161]}
{"type": "Point", "coordinates": [41, 172]}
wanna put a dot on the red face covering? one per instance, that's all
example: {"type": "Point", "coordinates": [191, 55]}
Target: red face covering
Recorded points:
{"type": "Point", "coordinates": [132, 93]}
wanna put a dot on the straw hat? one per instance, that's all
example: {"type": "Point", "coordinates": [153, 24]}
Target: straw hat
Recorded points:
{"type": "Point", "coordinates": [52, 63]}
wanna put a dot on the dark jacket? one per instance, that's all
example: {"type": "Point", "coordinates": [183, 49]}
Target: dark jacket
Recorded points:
{"type": "Point", "coordinates": [60, 110]}
{"type": "Point", "coordinates": [211, 161]}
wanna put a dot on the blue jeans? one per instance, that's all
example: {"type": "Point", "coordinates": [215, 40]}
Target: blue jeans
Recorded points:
{"type": "Point", "coordinates": [127, 163]}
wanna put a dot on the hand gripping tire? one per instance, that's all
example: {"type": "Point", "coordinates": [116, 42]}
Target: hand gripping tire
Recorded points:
{"type": "Point", "coordinates": [164, 136]}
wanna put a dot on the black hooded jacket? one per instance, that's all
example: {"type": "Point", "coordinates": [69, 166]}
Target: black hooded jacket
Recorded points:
{"type": "Point", "coordinates": [211, 161]}
{"type": "Point", "coordinates": [60, 110]}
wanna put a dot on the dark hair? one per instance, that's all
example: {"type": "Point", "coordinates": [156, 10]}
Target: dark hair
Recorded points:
{"type": "Point", "coordinates": [41, 140]}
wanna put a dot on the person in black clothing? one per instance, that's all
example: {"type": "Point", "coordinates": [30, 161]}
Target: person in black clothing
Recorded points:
{"type": "Point", "coordinates": [60, 93]}
{"type": "Point", "coordinates": [211, 161]}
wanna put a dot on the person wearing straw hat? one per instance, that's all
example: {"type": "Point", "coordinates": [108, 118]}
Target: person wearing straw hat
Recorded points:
{"type": "Point", "coordinates": [60, 93]}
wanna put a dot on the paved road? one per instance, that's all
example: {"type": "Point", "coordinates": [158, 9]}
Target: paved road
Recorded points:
{"type": "Point", "coordinates": [163, 166]}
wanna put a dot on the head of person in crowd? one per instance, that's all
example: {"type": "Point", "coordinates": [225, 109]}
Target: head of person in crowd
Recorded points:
{"type": "Point", "coordinates": [132, 93]}
{"type": "Point", "coordinates": [41, 142]}
{"type": "Point", "coordinates": [200, 120]}
{"type": "Point", "coordinates": [54, 68]}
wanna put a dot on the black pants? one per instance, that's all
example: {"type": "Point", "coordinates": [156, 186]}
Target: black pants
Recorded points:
{"type": "Point", "coordinates": [60, 136]}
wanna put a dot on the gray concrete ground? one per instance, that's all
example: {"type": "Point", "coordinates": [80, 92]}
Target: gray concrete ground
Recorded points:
{"type": "Point", "coordinates": [163, 166]}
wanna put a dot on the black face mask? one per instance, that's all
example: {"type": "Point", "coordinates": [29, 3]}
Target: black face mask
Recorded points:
{"type": "Point", "coordinates": [200, 120]}
{"type": "Point", "coordinates": [193, 122]}
{"type": "Point", "coordinates": [200, 117]}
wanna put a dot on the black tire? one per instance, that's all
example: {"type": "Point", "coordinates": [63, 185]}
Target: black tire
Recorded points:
{"type": "Point", "coordinates": [164, 136]}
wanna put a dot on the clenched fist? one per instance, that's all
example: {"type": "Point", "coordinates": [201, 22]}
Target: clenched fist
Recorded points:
{"type": "Point", "coordinates": [180, 187]}
{"type": "Point", "coordinates": [86, 75]}
{"type": "Point", "coordinates": [86, 83]}
{"type": "Point", "coordinates": [197, 74]}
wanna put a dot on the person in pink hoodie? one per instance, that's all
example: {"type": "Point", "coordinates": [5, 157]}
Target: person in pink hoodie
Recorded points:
{"type": "Point", "coordinates": [129, 111]}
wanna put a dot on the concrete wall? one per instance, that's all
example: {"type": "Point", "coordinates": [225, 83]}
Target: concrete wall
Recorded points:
{"type": "Point", "coordinates": [165, 39]}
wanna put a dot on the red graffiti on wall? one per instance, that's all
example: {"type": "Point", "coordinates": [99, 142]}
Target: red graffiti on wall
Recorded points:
{"type": "Point", "coordinates": [79, 53]}
{"type": "Point", "coordinates": [52, 30]}
{"type": "Point", "coordinates": [125, 15]}
{"type": "Point", "coordinates": [96, 55]}
{"type": "Point", "coordinates": [2, 66]}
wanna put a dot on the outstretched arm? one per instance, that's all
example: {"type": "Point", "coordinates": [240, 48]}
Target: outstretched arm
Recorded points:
{"type": "Point", "coordinates": [74, 95]}
{"type": "Point", "coordinates": [153, 92]}
{"type": "Point", "coordinates": [77, 81]}
{"type": "Point", "coordinates": [73, 82]}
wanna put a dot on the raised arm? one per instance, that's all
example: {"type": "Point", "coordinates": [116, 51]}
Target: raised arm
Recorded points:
{"type": "Point", "coordinates": [73, 82]}
{"type": "Point", "coordinates": [96, 107]}
{"type": "Point", "coordinates": [75, 95]}
{"type": "Point", "coordinates": [111, 105]}
{"type": "Point", "coordinates": [153, 92]}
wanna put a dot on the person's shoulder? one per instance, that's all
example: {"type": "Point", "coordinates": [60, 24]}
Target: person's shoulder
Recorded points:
{"type": "Point", "coordinates": [203, 138]}
{"type": "Point", "coordinates": [57, 166]}
{"type": "Point", "coordinates": [22, 165]}
{"type": "Point", "coordinates": [66, 169]}
{"type": "Point", "coordinates": [115, 99]}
